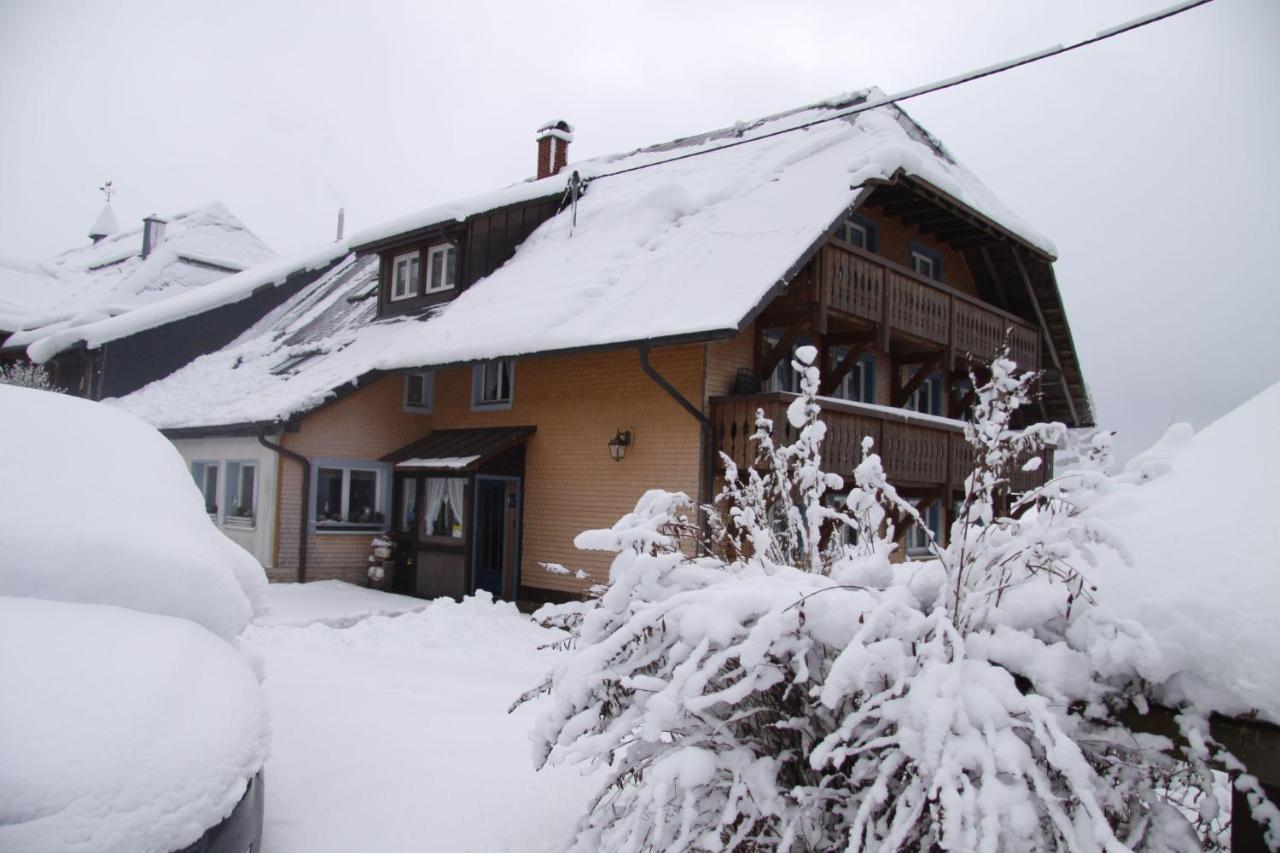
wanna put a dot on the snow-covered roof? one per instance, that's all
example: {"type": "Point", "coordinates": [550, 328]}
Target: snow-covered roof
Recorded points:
{"type": "Point", "coordinates": [106, 290]}
{"type": "Point", "coordinates": [683, 240]}
{"type": "Point", "coordinates": [1199, 521]}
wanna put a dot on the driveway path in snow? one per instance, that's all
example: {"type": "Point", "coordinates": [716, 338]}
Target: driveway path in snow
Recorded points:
{"type": "Point", "coordinates": [393, 734]}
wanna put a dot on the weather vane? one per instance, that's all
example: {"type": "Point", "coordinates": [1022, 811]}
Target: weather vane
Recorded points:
{"type": "Point", "coordinates": [107, 190]}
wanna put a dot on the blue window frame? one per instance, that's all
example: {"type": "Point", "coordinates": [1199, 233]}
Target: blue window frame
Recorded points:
{"type": "Point", "coordinates": [860, 231]}
{"type": "Point", "coordinates": [784, 376]}
{"type": "Point", "coordinates": [917, 541]}
{"type": "Point", "coordinates": [926, 262]}
{"type": "Point", "coordinates": [859, 384]}
{"type": "Point", "coordinates": [927, 399]}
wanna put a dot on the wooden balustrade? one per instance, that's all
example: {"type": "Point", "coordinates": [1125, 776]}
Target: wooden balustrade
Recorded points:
{"type": "Point", "coordinates": [916, 452]}
{"type": "Point", "coordinates": [867, 287]}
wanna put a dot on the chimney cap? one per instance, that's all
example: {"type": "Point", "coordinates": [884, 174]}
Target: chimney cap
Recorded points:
{"type": "Point", "coordinates": [558, 128]}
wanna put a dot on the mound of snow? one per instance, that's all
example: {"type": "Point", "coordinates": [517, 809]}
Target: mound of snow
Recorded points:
{"type": "Point", "coordinates": [1201, 526]}
{"type": "Point", "coordinates": [98, 507]}
{"type": "Point", "coordinates": [120, 731]}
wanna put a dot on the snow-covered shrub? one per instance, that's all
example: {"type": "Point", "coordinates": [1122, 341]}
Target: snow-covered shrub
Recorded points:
{"type": "Point", "coordinates": [764, 685]}
{"type": "Point", "coordinates": [25, 375]}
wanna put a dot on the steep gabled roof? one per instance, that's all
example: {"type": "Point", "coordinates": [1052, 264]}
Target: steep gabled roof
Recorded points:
{"type": "Point", "coordinates": [680, 241]}
{"type": "Point", "coordinates": [57, 303]}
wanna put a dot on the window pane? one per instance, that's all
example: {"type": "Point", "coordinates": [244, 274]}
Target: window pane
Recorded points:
{"type": "Point", "coordinates": [409, 505]}
{"type": "Point", "coordinates": [489, 390]}
{"type": "Point", "coordinates": [413, 390]}
{"type": "Point", "coordinates": [211, 489]}
{"type": "Point", "coordinates": [504, 380]}
{"type": "Point", "coordinates": [437, 271]}
{"type": "Point", "coordinates": [451, 271]}
{"type": "Point", "coordinates": [329, 495]}
{"type": "Point", "coordinates": [362, 502]}
{"type": "Point", "coordinates": [245, 493]}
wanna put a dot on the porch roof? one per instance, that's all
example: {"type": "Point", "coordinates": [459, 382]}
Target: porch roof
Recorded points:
{"type": "Point", "coordinates": [451, 451]}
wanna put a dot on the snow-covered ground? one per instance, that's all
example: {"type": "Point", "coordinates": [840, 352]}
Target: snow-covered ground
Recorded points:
{"type": "Point", "coordinates": [333, 603]}
{"type": "Point", "coordinates": [393, 733]}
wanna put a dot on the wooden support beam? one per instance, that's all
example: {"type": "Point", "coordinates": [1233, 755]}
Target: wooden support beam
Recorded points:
{"type": "Point", "coordinates": [1048, 339]}
{"type": "Point", "coordinates": [784, 315]}
{"type": "Point", "coordinates": [831, 378]}
{"type": "Point", "coordinates": [929, 217]}
{"type": "Point", "coordinates": [900, 394]}
{"type": "Point", "coordinates": [770, 357]}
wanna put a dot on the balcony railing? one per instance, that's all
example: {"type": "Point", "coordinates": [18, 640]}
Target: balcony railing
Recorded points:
{"type": "Point", "coordinates": [867, 287]}
{"type": "Point", "coordinates": [917, 451]}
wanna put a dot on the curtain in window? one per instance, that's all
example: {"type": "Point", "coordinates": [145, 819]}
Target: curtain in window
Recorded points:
{"type": "Point", "coordinates": [457, 488]}
{"type": "Point", "coordinates": [435, 498]}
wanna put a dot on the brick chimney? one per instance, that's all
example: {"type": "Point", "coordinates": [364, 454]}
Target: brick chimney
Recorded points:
{"type": "Point", "coordinates": [152, 233]}
{"type": "Point", "coordinates": [553, 147]}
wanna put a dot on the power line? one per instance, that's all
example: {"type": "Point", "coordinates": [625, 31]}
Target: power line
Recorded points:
{"type": "Point", "coordinates": [937, 86]}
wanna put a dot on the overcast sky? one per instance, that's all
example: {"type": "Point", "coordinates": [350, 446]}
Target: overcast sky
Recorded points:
{"type": "Point", "coordinates": [1150, 159]}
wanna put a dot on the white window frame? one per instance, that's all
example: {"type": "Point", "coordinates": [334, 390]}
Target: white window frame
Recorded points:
{"type": "Point", "coordinates": [230, 518]}
{"type": "Point", "coordinates": [477, 385]}
{"type": "Point", "coordinates": [206, 465]}
{"type": "Point", "coordinates": [428, 378]}
{"type": "Point", "coordinates": [442, 249]}
{"type": "Point", "coordinates": [381, 491]}
{"type": "Point", "coordinates": [412, 290]}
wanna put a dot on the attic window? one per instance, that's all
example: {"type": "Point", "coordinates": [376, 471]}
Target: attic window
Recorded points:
{"type": "Point", "coordinates": [926, 262]}
{"type": "Point", "coordinates": [404, 276]}
{"type": "Point", "coordinates": [861, 232]}
{"type": "Point", "coordinates": [442, 267]}
{"type": "Point", "coordinates": [292, 362]}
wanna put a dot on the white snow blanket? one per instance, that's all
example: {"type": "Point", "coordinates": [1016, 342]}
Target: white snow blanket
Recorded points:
{"type": "Point", "coordinates": [334, 603]}
{"type": "Point", "coordinates": [121, 732]}
{"type": "Point", "coordinates": [99, 507]}
{"type": "Point", "coordinates": [393, 734]}
{"type": "Point", "coordinates": [1201, 524]}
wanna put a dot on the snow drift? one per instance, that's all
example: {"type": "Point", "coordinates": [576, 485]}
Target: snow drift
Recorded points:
{"type": "Point", "coordinates": [98, 507]}
{"type": "Point", "coordinates": [120, 731]}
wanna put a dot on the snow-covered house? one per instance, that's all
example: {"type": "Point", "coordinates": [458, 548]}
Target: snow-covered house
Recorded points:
{"type": "Point", "coordinates": [484, 379]}
{"type": "Point", "coordinates": [135, 305]}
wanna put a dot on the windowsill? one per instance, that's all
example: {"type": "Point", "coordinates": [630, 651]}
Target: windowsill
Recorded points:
{"type": "Point", "coordinates": [238, 522]}
{"type": "Point", "coordinates": [363, 529]}
{"type": "Point", "coordinates": [499, 406]}
{"type": "Point", "coordinates": [432, 291]}
{"type": "Point", "coordinates": [403, 298]}
{"type": "Point", "coordinates": [419, 410]}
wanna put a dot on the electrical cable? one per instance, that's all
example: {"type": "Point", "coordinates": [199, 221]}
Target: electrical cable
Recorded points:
{"type": "Point", "coordinates": [937, 86]}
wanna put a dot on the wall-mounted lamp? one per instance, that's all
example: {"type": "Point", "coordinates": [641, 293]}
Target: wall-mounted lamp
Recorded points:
{"type": "Point", "coordinates": [619, 443]}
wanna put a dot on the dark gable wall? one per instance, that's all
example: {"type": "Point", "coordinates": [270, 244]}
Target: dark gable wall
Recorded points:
{"type": "Point", "coordinates": [485, 242]}
{"type": "Point", "coordinates": [129, 363]}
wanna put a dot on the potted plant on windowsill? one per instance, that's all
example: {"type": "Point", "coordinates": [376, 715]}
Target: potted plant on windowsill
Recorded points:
{"type": "Point", "coordinates": [382, 565]}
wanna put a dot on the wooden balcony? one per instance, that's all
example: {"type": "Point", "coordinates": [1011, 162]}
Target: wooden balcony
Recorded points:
{"type": "Point", "coordinates": [920, 453]}
{"type": "Point", "coordinates": [852, 284]}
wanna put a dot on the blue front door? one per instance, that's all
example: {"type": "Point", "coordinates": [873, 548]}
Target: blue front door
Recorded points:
{"type": "Point", "coordinates": [495, 535]}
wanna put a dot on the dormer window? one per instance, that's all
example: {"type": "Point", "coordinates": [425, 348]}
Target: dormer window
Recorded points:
{"type": "Point", "coordinates": [404, 276]}
{"type": "Point", "coordinates": [442, 267]}
{"type": "Point", "coordinates": [926, 262]}
{"type": "Point", "coordinates": [861, 232]}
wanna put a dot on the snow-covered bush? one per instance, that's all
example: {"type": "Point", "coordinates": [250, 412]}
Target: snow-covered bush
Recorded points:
{"type": "Point", "coordinates": [779, 683]}
{"type": "Point", "coordinates": [26, 375]}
